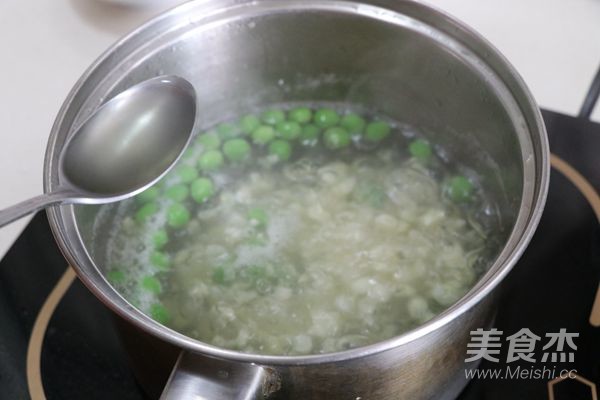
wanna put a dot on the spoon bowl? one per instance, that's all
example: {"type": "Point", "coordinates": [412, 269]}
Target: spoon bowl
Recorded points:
{"type": "Point", "coordinates": [126, 146]}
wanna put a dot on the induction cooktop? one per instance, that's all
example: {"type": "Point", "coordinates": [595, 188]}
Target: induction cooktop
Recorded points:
{"type": "Point", "coordinates": [57, 341]}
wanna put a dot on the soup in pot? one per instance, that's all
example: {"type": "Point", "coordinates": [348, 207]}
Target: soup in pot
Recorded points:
{"type": "Point", "coordinates": [303, 229]}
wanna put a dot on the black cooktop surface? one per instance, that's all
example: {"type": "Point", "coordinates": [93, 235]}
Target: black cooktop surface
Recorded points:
{"type": "Point", "coordinates": [58, 342]}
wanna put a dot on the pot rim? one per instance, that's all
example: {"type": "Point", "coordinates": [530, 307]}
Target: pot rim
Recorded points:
{"type": "Point", "coordinates": [531, 207]}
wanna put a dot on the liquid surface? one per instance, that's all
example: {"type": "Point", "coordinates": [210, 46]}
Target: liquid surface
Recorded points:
{"type": "Point", "coordinates": [301, 231]}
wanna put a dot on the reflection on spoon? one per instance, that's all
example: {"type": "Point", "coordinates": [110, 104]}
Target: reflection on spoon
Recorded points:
{"type": "Point", "coordinates": [127, 145]}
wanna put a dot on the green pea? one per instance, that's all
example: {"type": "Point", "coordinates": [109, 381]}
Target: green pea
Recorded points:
{"type": "Point", "coordinates": [160, 238]}
{"type": "Point", "coordinates": [209, 141]}
{"type": "Point", "coordinates": [223, 274]}
{"type": "Point", "coordinates": [309, 135]}
{"type": "Point", "coordinates": [159, 313]}
{"type": "Point", "coordinates": [227, 130]}
{"type": "Point", "coordinates": [177, 215]}
{"type": "Point", "coordinates": [420, 149]}
{"type": "Point", "coordinates": [460, 188]}
{"type": "Point", "coordinates": [263, 134]}
{"type": "Point", "coordinates": [202, 189]}
{"type": "Point", "coordinates": [211, 160]}
{"type": "Point", "coordinates": [249, 123]}
{"type": "Point", "coordinates": [301, 115]}
{"type": "Point", "coordinates": [178, 192]}
{"type": "Point", "coordinates": [353, 123]}
{"type": "Point", "coordinates": [281, 149]}
{"type": "Point", "coordinates": [289, 130]}
{"type": "Point", "coordinates": [258, 217]}
{"type": "Point", "coordinates": [377, 131]}
{"type": "Point", "coordinates": [336, 138]}
{"type": "Point", "coordinates": [236, 150]}
{"type": "Point", "coordinates": [147, 210]}
{"type": "Point", "coordinates": [148, 195]}
{"type": "Point", "coordinates": [151, 284]}
{"type": "Point", "coordinates": [115, 277]}
{"type": "Point", "coordinates": [218, 275]}
{"type": "Point", "coordinates": [160, 260]}
{"type": "Point", "coordinates": [272, 116]}
{"type": "Point", "coordinates": [326, 118]}
{"type": "Point", "coordinates": [187, 173]}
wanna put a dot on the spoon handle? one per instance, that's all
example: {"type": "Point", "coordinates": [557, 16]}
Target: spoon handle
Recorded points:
{"type": "Point", "coordinates": [26, 207]}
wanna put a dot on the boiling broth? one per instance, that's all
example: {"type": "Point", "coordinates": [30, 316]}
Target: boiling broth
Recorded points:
{"type": "Point", "coordinates": [302, 230]}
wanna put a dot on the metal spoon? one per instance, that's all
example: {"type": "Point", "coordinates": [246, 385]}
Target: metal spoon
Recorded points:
{"type": "Point", "coordinates": [126, 146]}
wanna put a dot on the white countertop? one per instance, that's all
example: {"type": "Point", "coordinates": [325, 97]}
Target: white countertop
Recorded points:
{"type": "Point", "coordinates": [46, 46]}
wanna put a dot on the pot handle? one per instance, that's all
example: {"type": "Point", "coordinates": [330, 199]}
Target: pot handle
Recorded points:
{"type": "Point", "coordinates": [199, 377]}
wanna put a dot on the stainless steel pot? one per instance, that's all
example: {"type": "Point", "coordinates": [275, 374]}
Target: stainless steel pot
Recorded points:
{"type": "Point", "coordinates": [399, 57]}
